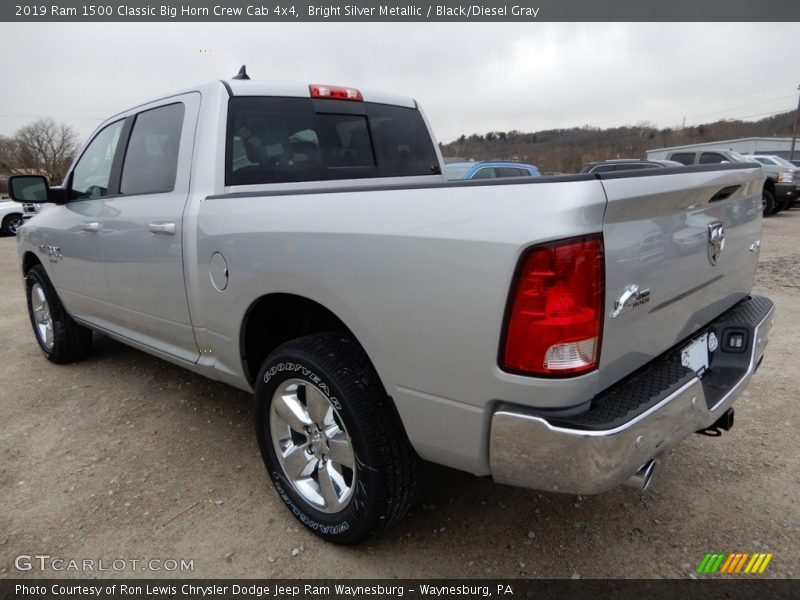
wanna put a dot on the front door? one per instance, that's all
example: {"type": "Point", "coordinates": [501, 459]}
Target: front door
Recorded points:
{"type": "Point", "coordinates": [73, 247]}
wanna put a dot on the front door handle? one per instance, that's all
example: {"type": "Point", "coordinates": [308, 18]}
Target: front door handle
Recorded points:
{"type": "Point", "coordinates": [91, 227]}
{"type": "Point", "coordinates": [160, 227]}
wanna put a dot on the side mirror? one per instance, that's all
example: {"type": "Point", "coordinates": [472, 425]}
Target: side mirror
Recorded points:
{"type": "Point", "coordinates": [34, 189]}
{"type": "Point", "coordinates": [28, 188]}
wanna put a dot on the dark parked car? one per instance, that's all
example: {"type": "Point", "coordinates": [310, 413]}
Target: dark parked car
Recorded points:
{"type": "Point", "coordinates": [627, 164]}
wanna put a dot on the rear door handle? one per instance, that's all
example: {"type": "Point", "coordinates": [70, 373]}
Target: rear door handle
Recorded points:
{"type": "Point", "coordinates": [91, 227]}
{"type": "Point", "coordinates": [160, 227]}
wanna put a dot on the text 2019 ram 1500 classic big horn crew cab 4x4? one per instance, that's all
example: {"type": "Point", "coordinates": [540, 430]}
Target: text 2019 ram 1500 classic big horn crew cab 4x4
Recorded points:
{"type": "Point", "coordinates": [301, 242]}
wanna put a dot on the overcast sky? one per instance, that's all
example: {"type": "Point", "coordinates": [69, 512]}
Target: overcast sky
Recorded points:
{"type": "Point", "coordinates": [470, 77]}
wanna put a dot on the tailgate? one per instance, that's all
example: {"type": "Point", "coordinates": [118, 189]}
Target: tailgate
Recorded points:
{"type": "Point", "coordinates": [681, 247]}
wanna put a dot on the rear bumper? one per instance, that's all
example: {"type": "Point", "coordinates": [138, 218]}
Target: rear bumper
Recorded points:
{"type": "Point", "coordinates": [634, 421]}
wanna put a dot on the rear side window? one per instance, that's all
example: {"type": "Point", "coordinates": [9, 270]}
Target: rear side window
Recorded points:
{"type": "Point", "coordinates": [275, 140]}
{"type": "Point", "coordinates": [686, 158]}
{"type": "Point", "coordinates": [151, 159]}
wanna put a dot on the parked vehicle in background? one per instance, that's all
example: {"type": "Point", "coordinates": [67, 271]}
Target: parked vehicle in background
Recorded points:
{"type": "Point", "coordinates": [771, 160]}
{"type": "Point", "coordinates": [29, 211]}
{"type": "Point", "coordinates": [489, 170]}
{"type": "Point", "coordinates": [779, 187]}
{"type": "Point", "coordinates": [627, 164]}
{"type": "Point", "coordinates": [10, 217]}
{"type": "Point", "coordinates": [301, 242]}
{"type": "Point", "coordinates": [796, 163]}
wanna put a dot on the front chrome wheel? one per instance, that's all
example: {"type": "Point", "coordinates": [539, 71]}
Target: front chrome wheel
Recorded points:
{"type": "Point", "coordinates": [312, 445]}
{"type": "Point", "coordinates": [42, 317]}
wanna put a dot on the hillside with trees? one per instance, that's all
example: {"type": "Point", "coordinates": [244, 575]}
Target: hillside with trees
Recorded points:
{"type": "Point", "coordinates": [568, 150]}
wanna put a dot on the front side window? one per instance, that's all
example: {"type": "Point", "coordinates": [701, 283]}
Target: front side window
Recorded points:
{"type": "Point", "coordinates": [707, 158]}
{"type": "Point", "coordinates": [686, 158]}
{"type": "Point", "coordinates": [151, 159]}
{"type": "Point", "coordinates": [277, 140]}
{"type": "Point", "coordinates": [484, 173]}
{"type": "Point", "coordinates": [91, 175]}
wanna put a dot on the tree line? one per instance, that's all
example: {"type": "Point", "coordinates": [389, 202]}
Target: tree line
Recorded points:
{"type": "Point", "coordinates": [42, 147]}
{"type": "Point", "coordinates": [568, 150]}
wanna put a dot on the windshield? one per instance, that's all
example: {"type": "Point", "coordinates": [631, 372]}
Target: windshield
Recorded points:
{"type": "Point", "coordinates": [457, 171]}
{"type": "Point", "coordinates": [783, 162]}
{"type": "Point", "coordinates": [736, 157]}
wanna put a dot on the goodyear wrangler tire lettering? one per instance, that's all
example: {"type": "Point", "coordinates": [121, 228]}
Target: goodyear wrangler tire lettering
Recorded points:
{"type": "Point", "coordinates": [331, 439]}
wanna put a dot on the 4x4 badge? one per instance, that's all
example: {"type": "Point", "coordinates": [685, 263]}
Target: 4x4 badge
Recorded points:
{"type": "Point", "coordinates": [716, 241]}
{"type": "Point", "coordinates": [632, 297]}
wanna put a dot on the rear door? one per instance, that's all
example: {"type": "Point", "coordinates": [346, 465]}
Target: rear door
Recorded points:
{"type": "Point", "coordinates": [662, 234]}
{"type": "Point", "coordinates": [142, 240]}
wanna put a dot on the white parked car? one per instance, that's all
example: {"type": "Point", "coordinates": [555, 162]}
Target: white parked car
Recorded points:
{"type": "Point", "coordinates": [10, 217]}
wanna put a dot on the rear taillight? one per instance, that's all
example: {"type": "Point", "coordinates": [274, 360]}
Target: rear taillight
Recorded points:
{"type": "Point", "coordinates": [335, 92]}
{"type": "Point", "coordinates": [555, 322]}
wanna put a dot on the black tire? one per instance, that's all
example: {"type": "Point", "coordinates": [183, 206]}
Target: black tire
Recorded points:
{"type": "Point", "coordinates": [11, 223]}
{"type": "Point", "coordinates": [768, 203]}
{"type": "Point", "coordinates": [387, 472]}
{"type": "Point", "coordinates": [71, 342]}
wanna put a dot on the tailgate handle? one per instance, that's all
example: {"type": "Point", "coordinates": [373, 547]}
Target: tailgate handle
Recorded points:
{"type": "Point", "coordinates": [162, 228]}
{"type": "Point", "coordinates": [724, 193]}
{"type": "Point", "coordinates": [92, 227]}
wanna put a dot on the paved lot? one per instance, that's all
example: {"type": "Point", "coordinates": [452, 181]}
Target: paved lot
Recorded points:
{"type": "Point", "coordinates": [125, 456]}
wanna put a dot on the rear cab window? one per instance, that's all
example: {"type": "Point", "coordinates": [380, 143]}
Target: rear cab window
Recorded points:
{"type": "Point", "coordinates": [278, 140]}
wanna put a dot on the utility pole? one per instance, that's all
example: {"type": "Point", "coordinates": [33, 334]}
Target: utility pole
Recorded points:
{"type": "Point", "coordinates": [794, 133]}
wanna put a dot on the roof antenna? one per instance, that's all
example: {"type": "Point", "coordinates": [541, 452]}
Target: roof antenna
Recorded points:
{"type": "Point", "coordinates": [242, 74]}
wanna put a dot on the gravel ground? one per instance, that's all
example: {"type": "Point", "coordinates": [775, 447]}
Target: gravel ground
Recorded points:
{"type": "Point", "coordinates": [126, 456]}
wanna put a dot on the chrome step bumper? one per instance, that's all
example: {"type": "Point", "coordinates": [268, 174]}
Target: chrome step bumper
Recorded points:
{"type": "Point", "coordinates": [532, 451]}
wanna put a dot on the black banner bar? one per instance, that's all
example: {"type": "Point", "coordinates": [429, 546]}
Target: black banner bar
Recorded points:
{"type": "Point", "coordinates": [516, 11]}
{"type": "Point", "coordinates": [745, 588]}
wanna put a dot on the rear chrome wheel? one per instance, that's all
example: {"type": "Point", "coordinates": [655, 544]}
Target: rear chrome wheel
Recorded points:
{"type": "Point", "coordinates": [331, 439]}
{"type": "Point", "coordinates": [312, 445]}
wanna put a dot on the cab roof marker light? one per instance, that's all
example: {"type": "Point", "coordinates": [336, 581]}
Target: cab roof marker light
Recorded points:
{"type": "Point", "coordinates": [335, 92]}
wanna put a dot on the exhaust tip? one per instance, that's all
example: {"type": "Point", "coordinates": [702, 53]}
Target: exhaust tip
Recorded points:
{"type": "Point", "coordinates": [643, 477]}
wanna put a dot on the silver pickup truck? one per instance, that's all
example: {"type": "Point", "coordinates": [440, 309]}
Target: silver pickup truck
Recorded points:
{"type": "Point", "coordinates": [302, 243]}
